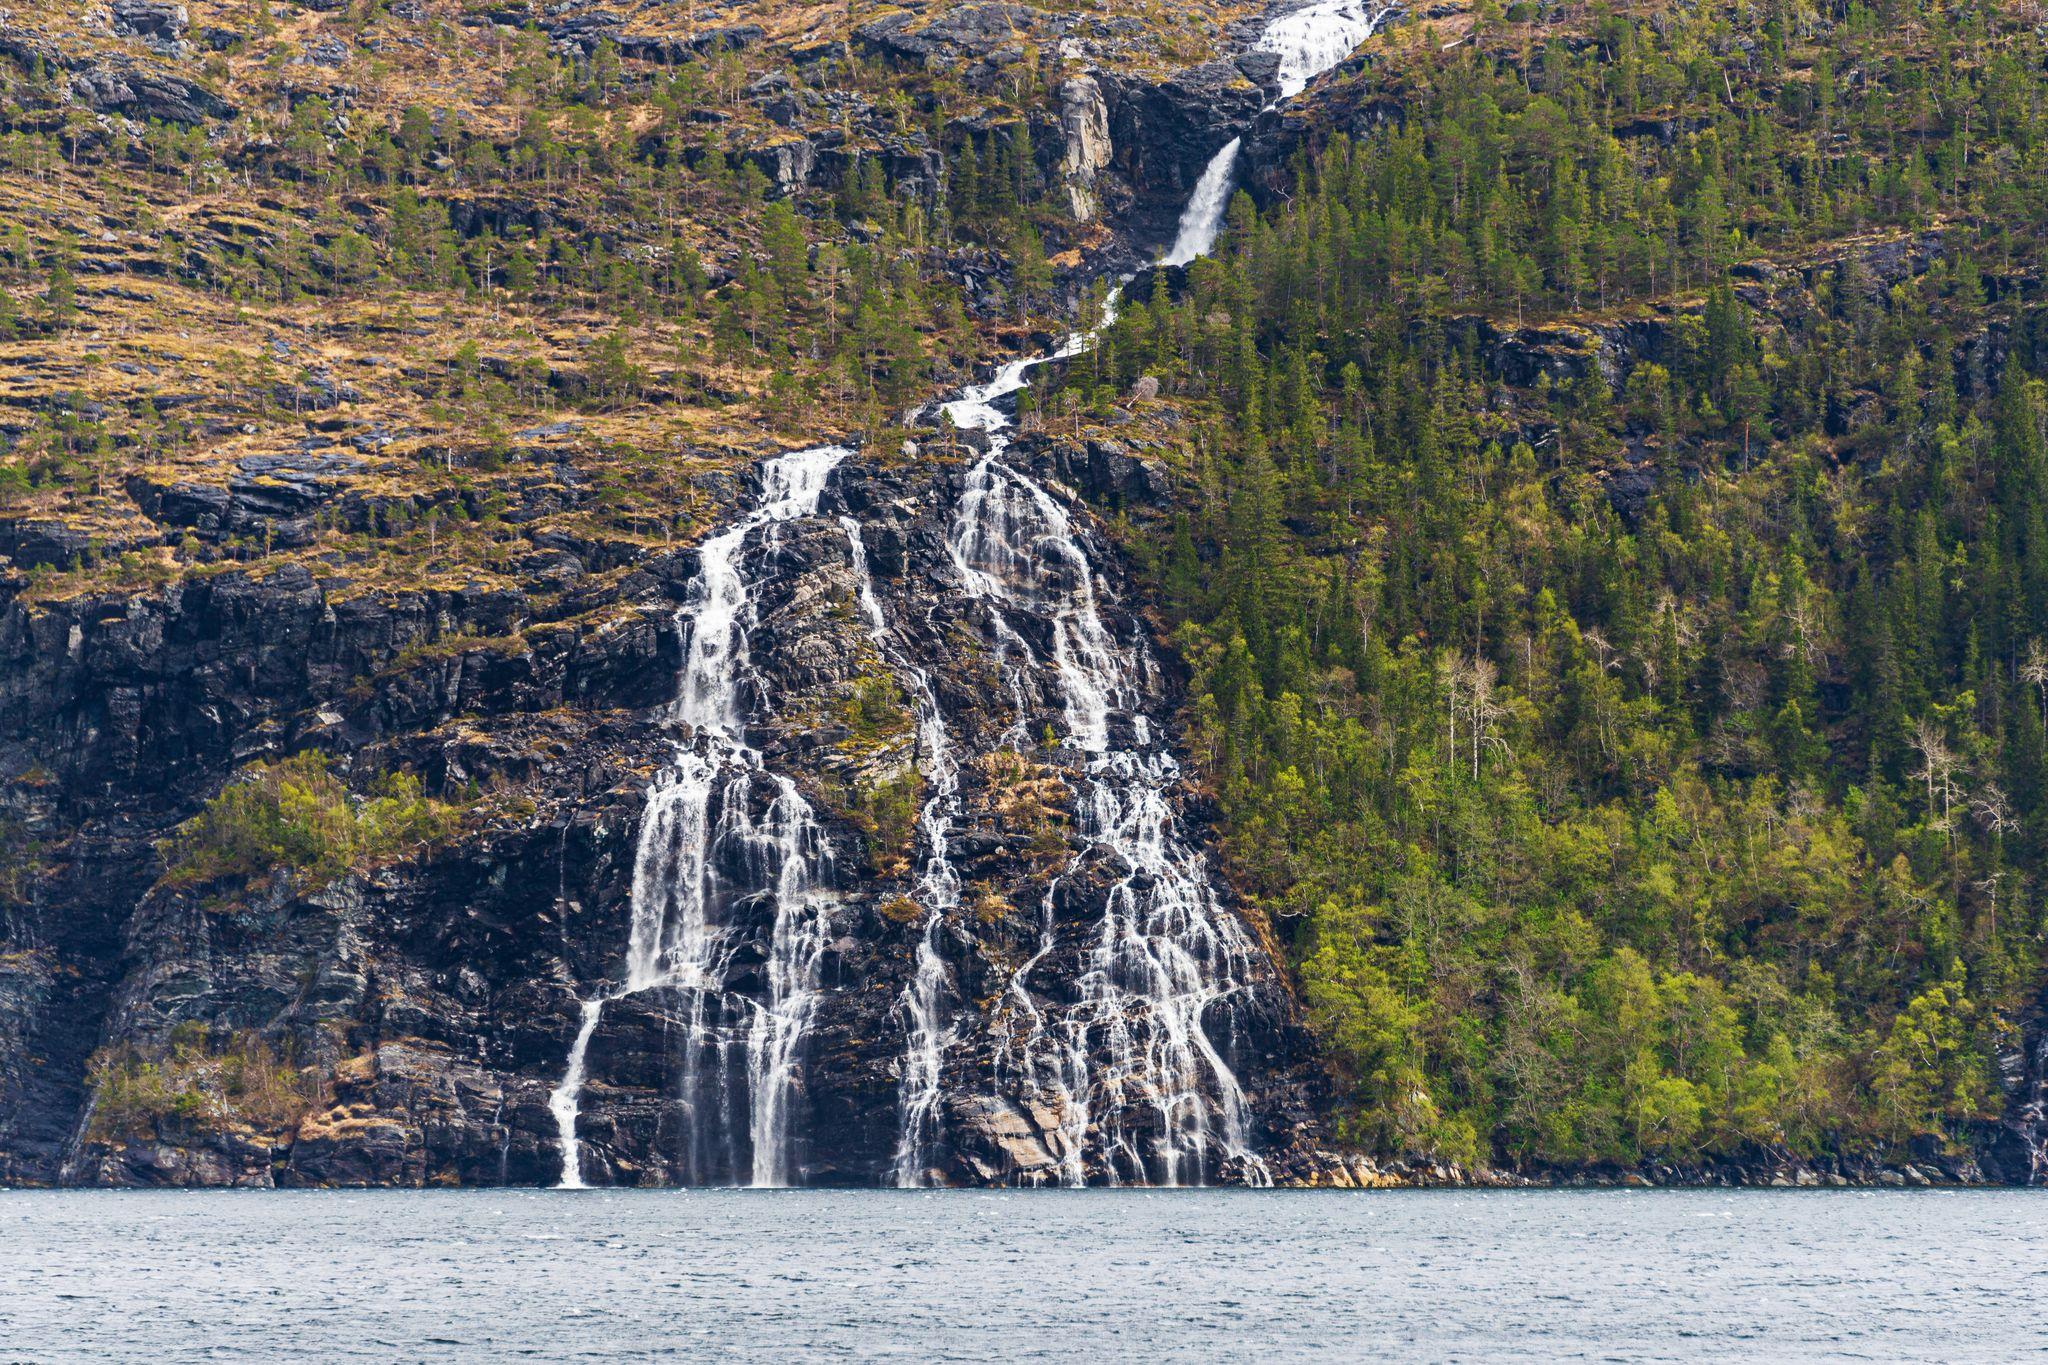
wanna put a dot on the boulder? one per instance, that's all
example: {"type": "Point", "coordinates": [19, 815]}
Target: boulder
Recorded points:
{"type": "Point", "coordinates": [163, 21]}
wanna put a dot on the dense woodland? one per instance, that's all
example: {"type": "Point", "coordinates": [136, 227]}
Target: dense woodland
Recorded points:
{"type": "Point", "coordinates": [1610, 827]}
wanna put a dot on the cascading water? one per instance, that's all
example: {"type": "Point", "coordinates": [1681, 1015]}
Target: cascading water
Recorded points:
{"type": "Point", "coordinates": [1202, 220]}
{"type": "Point", "coordinates": [1168, 969]}
{"type": "Point", "coordinates": [1167, 963]}
{"type": "Point", "coordinates": [1132, 1059]}
{"type": "Point", "coordinates": [707, 850]}
{"type": "Point", "coordinates": [1316, 37]}
{"type": "Point", "coordinates": [1309, 42]}
{"type": "Point", "coordinates": [927, 1033]}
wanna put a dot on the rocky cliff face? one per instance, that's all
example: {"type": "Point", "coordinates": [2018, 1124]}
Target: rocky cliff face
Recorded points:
{"type": "Point", "coordinates": [866, 597]}
{"type": "Point", "coordinates": [437, 998]}
{"type": "Point", "coordinates": [122, 713]}
{"type": "Point", "coordinates": [963, 932]}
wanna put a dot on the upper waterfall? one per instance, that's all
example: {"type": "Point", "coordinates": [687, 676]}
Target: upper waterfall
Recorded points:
{"type": "Point", "coordinates": [1312, 40]}
{"type": "Point", "coordinates": [1309, 42]}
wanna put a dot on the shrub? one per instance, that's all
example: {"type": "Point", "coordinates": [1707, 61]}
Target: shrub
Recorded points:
{"type": "Point", "coordinates": [876, 710]}
{"type": "Point", "coordinates": [197, 1083]}
{"type": "Point", "coordinates": [296, 816]}
{"type": "Point", "coordinates": [886, 812]}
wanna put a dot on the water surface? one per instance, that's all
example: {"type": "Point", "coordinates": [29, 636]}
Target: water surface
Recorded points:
{"type": "Point", "coordinates": [959, 1275]}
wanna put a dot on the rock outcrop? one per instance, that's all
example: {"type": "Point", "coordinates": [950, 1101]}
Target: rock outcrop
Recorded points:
{"type": "Point", "coordinates": [1086, 146]}
{"type": "Point", "coordinates": [108, 82]}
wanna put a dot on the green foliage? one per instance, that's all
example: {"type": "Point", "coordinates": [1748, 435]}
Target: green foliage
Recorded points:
{"type": "Point", "coordinates": [876, 711]}
{"type": "Point", "coordinates": [21, 864]}
{"type": "Point", "coordinates": [297, 818]}
{"type": "Point", "coordinates": [200, 1083]}
{"type": "Point", "coordinates": [1603, 830]}
{"type": "Point", "coordinates": [885, 810]}
{"type": "Point", "coordinates": [1929, 1067]}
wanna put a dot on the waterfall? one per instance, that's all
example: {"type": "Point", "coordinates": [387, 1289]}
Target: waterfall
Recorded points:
{"type": "Point", "coordinates": [1169, 969]}
{"type": "Point", "coordinates": [1312, 40]}
{"type": "Point", "coordinates": [733, 878]}
{"type": "Point", "coordinates": [1309, 42]}
{"type": "Point", "coordinates": [1202, 220]}
{"type": "Point", "coordinates": [927, 1032]}
{"type": "Point", "coordinates": [704, 853]}
{"type": "Point", "coordinates": [1167, 962]}
{"type": "Point", "coordinates": [563, 1101]}
{"type": "Point", "coordinates": [1165, 954]}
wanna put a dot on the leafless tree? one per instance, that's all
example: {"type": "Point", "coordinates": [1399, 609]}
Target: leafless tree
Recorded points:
{"type": "Point", "coordinates": [1472, 695]}
{"type": "Point", "coordinates": [1938, 764]}
{"type": "Point", "coordinates": [2034, 672]}
{"type": "Point", "coordinates": [1992, 809]}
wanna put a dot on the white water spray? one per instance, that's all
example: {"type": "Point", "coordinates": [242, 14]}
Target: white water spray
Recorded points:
{"type": "Point", "coordinates": [1167, 962]}
{"type": "Point", "coordinates": [702, 852]}
{"type": "Point", "coordinates": [1315, 38]}
{"type": "Point", "coordinates": [1168, 967]}
{"type": "Point", "coordinates": [923, 1005]}
{"type": "Point", "coordinates": [1309, 41]}
{"type": "Point", "coordinates": [1201, 222]}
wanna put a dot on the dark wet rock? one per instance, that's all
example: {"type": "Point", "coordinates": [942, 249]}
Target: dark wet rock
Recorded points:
{"type": "Point", "coordinates": [1165, 132]}
{"type": "Point", "coordinates": [32, 542]}
{"type": "Point", "coordinates": [1103, 472]}
{"type": "Point", "coordinates": [134, 708]}
{"type": "Point", "coordinates": [671, 50]}
{"type": "Point", "coordinates": [1261, 68]}
{"type": "Point", "coordinates": [1629, 488]}
{"type": "Point", "coordinates": [435, 998]}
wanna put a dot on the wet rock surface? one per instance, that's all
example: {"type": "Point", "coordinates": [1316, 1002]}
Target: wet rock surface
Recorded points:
{"type": "Point", "coordinates": [120, 713]}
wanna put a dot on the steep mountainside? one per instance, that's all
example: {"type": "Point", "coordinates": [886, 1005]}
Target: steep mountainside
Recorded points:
{"type": "Point", "coordinates": [661, 594]}
{"type": "Point", "coordinates": [1615, 464]}
{"type": "Point", "coordinates": [439, 748]}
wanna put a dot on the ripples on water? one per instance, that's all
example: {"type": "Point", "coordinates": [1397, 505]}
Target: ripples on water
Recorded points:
{"type": "Point", "coordinates": [961, 1275]}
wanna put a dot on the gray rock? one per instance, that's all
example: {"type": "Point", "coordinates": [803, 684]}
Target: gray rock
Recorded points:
{"type": "Point", "coordinates": [1084, 130]}
{"type": "Point", "coordinates": [163, 20]}
{"type": "Point", "coordinates": [108, 83]}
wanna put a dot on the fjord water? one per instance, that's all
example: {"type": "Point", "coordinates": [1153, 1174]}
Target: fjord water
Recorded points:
{"type": "Point", "coordinates": [952, 1275]}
